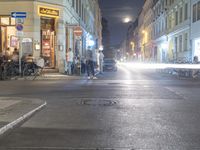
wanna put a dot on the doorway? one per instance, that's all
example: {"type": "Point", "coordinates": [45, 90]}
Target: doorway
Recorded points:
{"type": "Point", "coordinates": [48, 41]}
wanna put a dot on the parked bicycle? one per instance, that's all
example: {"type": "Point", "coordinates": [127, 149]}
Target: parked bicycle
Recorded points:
{"type": "Point", "coordinates": [9, 69]}
{"type": "Point", "coordinates": [33, 69]}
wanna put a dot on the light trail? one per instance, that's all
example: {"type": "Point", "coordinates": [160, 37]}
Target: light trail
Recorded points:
{"type": "Point", "coordinates": [159, 66]}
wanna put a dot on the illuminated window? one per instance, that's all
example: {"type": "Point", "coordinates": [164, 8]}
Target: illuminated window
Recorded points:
{"type": "Point", "coordinates": [5, 21]}
{"type": "Point", "coordinates": [12, 21]}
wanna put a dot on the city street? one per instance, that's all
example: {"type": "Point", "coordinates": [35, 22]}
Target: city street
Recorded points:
{"type": "Point", "coordinates": [125, 110]}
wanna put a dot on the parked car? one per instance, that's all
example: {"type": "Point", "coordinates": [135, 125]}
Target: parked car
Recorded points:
{"type": "Point", "coordinates": [109, 64]}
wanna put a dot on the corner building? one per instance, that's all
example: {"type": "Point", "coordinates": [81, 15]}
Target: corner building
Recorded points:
{"type": "Point", "coordinates": [51, 28]}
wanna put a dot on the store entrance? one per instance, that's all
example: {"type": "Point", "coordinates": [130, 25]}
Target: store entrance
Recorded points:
{"type": "Point", "coordinates": [48, 41]}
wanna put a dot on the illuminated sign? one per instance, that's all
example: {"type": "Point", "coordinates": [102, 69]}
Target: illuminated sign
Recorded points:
{"type": "Point", "coordinates": [49, 12]}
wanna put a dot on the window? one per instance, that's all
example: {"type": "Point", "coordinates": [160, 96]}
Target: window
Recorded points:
{"type": "Point", "coordinates": [181, 15]}
{"type": "Point", "coordinates": [82, 11]}
{"type": "Point", "coordinates": [77, 6]}
{"type": "Point", "coordinates": [194, 12]}
{"type": "Point", "coordinates": [12, 21]}
{"type": "Point", "coordinates": [176, 44]}
{"type": "Point", "coordinates": [180, 43]}
{"type": "Point", "coordinates": [185, 41]}
{"type": "Point", "coordinates": [5, 21]}
{"type": "Point", "coordinates": [176, 17]}
{"type": "Point", "coordinates": [198, 11]}
{"type": "Point", "coordinates": [80, 6]}
{"type": "Point", "coordinates": [73, 3]}
{"type": "Point", "coordinates": [186, 12]}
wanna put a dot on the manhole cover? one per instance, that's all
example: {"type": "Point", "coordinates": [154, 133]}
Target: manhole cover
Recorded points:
{"type": "Point", "coordinates": [98, 102]}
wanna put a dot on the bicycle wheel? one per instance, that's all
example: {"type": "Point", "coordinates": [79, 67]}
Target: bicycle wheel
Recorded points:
{"type": "Point", "coordinates": [27, 72]}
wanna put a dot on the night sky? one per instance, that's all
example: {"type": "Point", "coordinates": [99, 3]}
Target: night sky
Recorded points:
{"type": "Point", "coordinates": [115, 11]}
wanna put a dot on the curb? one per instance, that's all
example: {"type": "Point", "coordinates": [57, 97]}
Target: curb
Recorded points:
{"type": "Point", "coordinates": [18, 122]}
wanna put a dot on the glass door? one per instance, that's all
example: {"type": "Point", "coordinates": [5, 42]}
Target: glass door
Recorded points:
{"type": "Point", "coordinates": [48, 46]}
{"type": "Point", "coordinates": [48, 41]}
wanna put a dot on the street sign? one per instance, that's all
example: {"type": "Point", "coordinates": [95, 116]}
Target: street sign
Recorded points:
{"type": "Point", "coordinates": [19, 20]}
{"type": "Point", "coordinates": [19, 27]}
{"type": "Point", "coordinates": [20, 33]}
{"type": "Point", "coordinates": [18, 14]}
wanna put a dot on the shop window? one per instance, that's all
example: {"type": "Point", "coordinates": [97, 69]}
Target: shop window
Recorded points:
{"type": "Point", "coordinates": [5, 21]}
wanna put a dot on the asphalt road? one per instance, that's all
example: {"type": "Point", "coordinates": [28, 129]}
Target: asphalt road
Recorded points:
{"type": "Point", "coordinates": [124, 110]}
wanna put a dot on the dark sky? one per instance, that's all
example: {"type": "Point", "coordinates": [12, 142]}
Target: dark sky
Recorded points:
{"type": "Point", "coordinates": [114, 11]}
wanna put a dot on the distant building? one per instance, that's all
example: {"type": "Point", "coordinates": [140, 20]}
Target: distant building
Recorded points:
{"type": "Point", "coordinates": [168, 30]}
{"type": "Point", "coordinates": [130, 40]}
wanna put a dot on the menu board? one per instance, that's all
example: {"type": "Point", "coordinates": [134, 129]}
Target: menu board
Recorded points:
{"type": "Point", "coordinates": [27, 46]}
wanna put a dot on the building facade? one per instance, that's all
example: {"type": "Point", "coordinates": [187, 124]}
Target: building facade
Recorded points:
{"type": "Point", "coordinates": [51, 28]}
{"type": "Point", "coordinates": [195, 27]}
{"type": "Point", "coordinates": [172, 30]}
{"type": "Point", "coordinates": [178, 30]}
{"type": "Point", "coordinates": [168, 30]}
{"type": "Point", "coordinates": [147, 32]}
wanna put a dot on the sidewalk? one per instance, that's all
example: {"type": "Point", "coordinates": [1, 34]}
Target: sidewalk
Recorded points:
{"type": "Point", "coordinates": [55, 76]}
{"type": "Point", "coordinates": [15, 111]}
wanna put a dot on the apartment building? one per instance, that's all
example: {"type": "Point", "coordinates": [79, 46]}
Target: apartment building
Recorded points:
{"type": "Point", "coordinates": [195, 27]}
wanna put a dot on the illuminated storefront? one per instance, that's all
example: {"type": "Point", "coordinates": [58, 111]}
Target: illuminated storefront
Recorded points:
{"type": "Point", "coordinates": [48, 29]}
{"type": "Point", "coordinates": [48, 32]}
{"type": "Point", "coordinates": [8, 39]}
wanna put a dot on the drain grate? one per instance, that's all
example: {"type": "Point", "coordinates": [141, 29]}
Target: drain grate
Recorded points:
{"type": "Point", "coordinates": [98, 102]}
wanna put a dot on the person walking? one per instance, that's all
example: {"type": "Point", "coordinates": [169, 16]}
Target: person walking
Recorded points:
{"type": "Point", "coordinates": [70, 58]}
{"type": "Point", "coordinates": [101, 57]}
{"type": "Point", "coordinates": [90, 64]}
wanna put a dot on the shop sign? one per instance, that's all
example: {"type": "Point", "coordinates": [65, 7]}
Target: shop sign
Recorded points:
{"type": "Point", "coordinates": [50, 12]}
{"type": "Point", "coordinates": [78, 31]}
